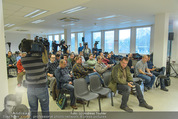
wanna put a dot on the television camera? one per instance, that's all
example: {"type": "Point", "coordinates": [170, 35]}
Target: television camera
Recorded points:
{"type": "Point", "coordinates": [28, 45]}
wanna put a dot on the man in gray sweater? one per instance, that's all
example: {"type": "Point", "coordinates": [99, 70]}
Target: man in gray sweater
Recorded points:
{"type": "Point", "coordinates": [100, 67]}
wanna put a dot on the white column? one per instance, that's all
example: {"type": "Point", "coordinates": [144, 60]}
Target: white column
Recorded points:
{"type": "Point", "coordinates": [3, 68]}
{"type": "Point", "coordinates": [103, 41]}
{"type": "Point", "coordinates": [160, 39]}
{"type": "Point", "coordinates": [152, 40]}
{"type": "Point", "coordinates": [76, 43]}
{"type": "Point", "coordinates": [67, 36]}
{"type": "Point", "coordinates": [174, 55]}
{"type": "Point", "coordinates": [88, 39]}
{"type": "Point", "coordinates": [116, 41]}
{"type": "Point", "coordinates": [133, 40]}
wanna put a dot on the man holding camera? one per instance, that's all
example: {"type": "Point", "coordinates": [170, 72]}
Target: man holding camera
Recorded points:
{"type": "Point", "coordinates": [123, 81]}
{"type": "Point", "coordinates": [36, 80]}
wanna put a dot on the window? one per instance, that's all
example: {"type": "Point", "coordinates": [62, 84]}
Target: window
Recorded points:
{"type": "Point", "coordinates": [124, 41]}
{"type": "Point", "coordinates": [62, 37]}
{"type": "Point", "coordinates": [109, 41]}
{"type": "Point", "coordinates": [143, 40]}
{"type": "Point", "coordinates": [50, 39]}
{"type": "Point", "coordinates": [97, 37]}
{"type": "Point", "coordinates": [80, 35]}
{"type": "Point", "coordinates": [56, 38]}
{"type": "Point", "coordinates": [73, 42]}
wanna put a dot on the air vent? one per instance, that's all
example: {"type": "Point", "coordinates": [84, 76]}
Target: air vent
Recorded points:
{"type": "Point", "coordinates": [69, 19]}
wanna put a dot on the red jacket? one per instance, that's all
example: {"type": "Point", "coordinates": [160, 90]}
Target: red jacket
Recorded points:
{"type": "Point", "coordinates": [19, 66]}
{"type": "Point", "coordinates": [105, 61]}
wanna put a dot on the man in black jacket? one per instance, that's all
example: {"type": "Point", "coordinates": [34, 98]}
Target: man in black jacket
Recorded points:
{"type": "Point", "coordinates": [64, 80]}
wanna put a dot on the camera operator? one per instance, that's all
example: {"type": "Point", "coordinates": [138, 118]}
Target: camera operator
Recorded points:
{"type": "Point", "coordinates": [36, 80]}
{"type": "Point", "coordinates": [64, 47]}
{"type": "Point", "coordinates": [54, 47]}
{"type": "Point", "coordinates": [36, 39]}
{"type": "Point", "coordinates": [46, 44]}
{"type": "Point", "coordinates": [123, 81]}
{"type": "Point", "coordinates": [95, 49]}
{"type": "Point", "coordinates": [86, 51]}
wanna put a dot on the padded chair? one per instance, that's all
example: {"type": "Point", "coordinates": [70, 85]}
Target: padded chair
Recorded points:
{"type": "Point", "coordinates": [107, 78]}
{"type": "Point", "coordinates": [81, 91]}
{"type": "Point", "coordinates": [95, 86]}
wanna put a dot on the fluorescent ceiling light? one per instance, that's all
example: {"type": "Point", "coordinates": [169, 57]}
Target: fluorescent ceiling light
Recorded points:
{"type": "Point", "coordinates": [73, 10]}
{"type": "Point", "coordinates": [38, 21]}
{"type": "Point", "coordinates": [9, 25]}
{"type": "Point", "coordinates": [6, 25]}
{"type": "Point", "coordinates": [107, 17]}
{"type": "Point", "coordinates": [68, 25]}
{"type": "Point", "coordinates": [32, 13]}
{"type": "Point", "coordinates": [38, 14]}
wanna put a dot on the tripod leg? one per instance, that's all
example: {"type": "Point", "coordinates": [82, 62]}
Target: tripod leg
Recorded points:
{"type": "Point", "coordinates": [174, 70]}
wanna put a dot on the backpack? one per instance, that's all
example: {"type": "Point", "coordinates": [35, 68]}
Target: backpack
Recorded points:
{"type": "Point", "coordinates": [167, 82]}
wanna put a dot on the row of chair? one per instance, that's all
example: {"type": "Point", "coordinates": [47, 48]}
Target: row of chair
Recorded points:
{"type": "Point", "coordinates": [81, 90]}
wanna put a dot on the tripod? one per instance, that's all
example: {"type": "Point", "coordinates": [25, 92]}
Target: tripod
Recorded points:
{"type": "Point", "coordinates": [9, 44]}
{"type": "Point", "coordinates": [174, 71]}
{"type": "Point", "coordinates": [169, 66]}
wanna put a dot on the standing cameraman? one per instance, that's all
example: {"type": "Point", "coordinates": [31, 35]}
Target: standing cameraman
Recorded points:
{"type": "Point", "coordinates": [86, 51]}
{"type": "Point", "coordinates": [64, 47]}
{"type": "Point", "coordinates": [46, 44]}
{"type": "Point", "coordinates": [36, 80]}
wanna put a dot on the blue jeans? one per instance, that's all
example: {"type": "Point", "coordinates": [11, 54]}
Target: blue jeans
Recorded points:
{"type": "Point", "coordinates": [87, 79]}
{"type": "Point", "coordinates": [148, 80]}
{"type": "Point", "coordinates": [41, 94]}
{"type": "Point", "coordinates": [71, 89]}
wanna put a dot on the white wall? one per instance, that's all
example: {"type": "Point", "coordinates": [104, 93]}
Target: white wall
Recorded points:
{"type": "Point", "coordinates": [15, 39]}
{"type": "Point", "coordinates": [3, 69]}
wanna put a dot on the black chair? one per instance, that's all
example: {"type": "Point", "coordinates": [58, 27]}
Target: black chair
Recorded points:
{"type": "Point", "coordinates": [81, 91]}
{"type": "Point", "coordinates": [95, 86]}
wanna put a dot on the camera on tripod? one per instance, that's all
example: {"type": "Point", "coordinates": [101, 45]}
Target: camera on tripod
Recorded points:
{"type": "Point", "coordinates": [96, 42]}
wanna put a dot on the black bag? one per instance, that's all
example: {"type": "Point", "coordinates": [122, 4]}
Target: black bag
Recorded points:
{"type": "Point", "coordinates": [167, 81]}
{"type": "Point", "coordinates": [62, 101]}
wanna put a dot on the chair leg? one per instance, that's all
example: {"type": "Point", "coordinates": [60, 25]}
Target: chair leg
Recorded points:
{"type": "Point", "coordinates": [99, 104]}
{"type": "Point", "coordinates": [88, 103]}
{"type": "Point", "coordinates": [112, 99]}
{"type": "Point", "coordinates": [84, 107]}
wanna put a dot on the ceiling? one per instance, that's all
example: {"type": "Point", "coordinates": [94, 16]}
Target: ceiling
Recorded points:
{"type": "Point", "coordinates": [127, 13]}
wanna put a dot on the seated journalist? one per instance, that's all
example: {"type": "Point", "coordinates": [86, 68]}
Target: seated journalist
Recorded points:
{"type": "Point", "coordinates": [122, 80]}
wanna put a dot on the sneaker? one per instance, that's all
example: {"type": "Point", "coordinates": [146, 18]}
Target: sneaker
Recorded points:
{"type": "Point", "coordinates": [127, 109]}
{"type": "Point", "coordinates": [74, 106]}
{"type": "Point", "coordinates": [162, 76]}
{"type": "Point", "coordinates": [19, 85]}
{"type": "Point", "coordinates": [81, 102]}
{"type": "Point", "coordinates": [145, 105]}
{"type": "Point", "coordinates": [164, 89]}
{"type": "Point", "coordinates": [148, 88]}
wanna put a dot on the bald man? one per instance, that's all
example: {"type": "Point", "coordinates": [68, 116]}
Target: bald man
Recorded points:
{"type": "Point", "coordinates": [142, 71]}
